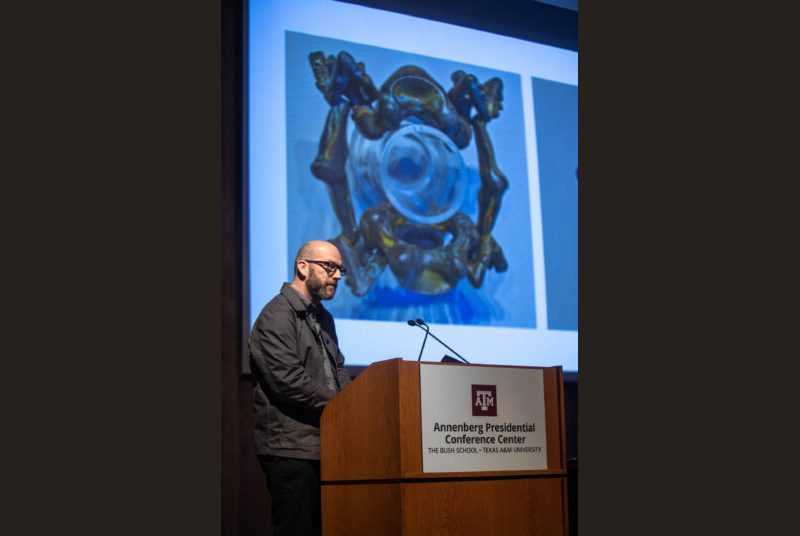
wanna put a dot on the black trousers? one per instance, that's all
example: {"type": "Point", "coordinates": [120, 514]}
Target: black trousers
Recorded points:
{"type": "Point", "coordinates": [295, 489]}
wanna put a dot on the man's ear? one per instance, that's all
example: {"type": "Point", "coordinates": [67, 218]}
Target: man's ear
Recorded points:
{"type": "Point", "coordinates": [302, 268]}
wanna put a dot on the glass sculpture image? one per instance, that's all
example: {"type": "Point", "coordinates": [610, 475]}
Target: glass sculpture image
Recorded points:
{"type": "Point", "coordinates": [404, 155]}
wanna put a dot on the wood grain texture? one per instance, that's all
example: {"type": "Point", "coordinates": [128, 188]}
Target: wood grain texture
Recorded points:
{"type": "Point", "coordinates": [360, 428]}
{"type": "Point", "coordinates": [368, 509]}
{"type": "Point", "coordinates": [411, 421]}
{"type": "Point", "coordinates": [554, 415]}
{"type": "Point", "coordinates": [483, 507]}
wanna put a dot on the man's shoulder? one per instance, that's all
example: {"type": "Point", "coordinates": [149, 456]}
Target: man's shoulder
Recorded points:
{"type": "Point", "coordinates": [287, 300]}
{"type": "Point", "coordinates": [278, 305]}
{"type": "Point", "coordinates": [278, 301]}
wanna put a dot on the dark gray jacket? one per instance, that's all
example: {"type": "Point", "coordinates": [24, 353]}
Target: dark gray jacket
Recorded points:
{"type": "Point", "coordinates": [291, 389]}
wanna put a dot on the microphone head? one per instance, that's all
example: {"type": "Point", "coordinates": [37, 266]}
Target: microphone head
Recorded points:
{"type": "Point", "coordinates": [419, 321]}
{"type": "Point", "coordinates": [412, 323]}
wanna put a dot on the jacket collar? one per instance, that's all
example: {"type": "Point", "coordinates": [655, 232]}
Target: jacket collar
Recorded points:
{"type": "Point", "coordinates": [298, 302]}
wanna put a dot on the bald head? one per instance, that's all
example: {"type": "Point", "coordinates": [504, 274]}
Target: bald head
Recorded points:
{"type": "Point", "coordinates": [313, 277]}
{"type": "Point", "coordinates": [316, 249]}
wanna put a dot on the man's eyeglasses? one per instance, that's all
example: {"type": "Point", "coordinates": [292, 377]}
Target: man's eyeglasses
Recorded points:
{"type": "Point", "coordinates": [330, 267]}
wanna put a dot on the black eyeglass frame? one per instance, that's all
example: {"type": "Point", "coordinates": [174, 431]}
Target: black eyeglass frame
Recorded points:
{"type": "Point", "coordinates": [329, 267]}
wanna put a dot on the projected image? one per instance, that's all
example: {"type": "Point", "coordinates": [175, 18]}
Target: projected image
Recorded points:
{"type": "Point", "coordinates": [556, 107]}
{"type": "Point", "coordinates": [415, 167]}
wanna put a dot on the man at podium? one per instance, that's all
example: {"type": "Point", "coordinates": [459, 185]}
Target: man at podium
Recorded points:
{"type": "Point", "coordinates": [298, 368]}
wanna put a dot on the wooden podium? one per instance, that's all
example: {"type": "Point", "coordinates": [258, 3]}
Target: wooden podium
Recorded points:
{"type": "Point", "coordinates": [373, 481]}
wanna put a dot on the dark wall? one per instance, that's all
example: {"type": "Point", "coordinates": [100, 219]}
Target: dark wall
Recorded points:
{"type": "Point", "coordinates": [237, 472]}
{"type": "Point", "coordinates": [571, 418]}
{"type": "Point", "coordinates": [245, 500]}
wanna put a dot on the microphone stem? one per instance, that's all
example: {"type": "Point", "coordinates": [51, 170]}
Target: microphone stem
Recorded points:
{"type": "Point", "coordinates": [443, 344]}
{"type": "Point", "coordinates": [423, 345]}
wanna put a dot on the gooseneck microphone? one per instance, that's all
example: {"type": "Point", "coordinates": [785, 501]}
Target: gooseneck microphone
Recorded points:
{"type": "Point", "coordinates": [427, 332]}
{"type": "Point", "coordinates": [420, 323]}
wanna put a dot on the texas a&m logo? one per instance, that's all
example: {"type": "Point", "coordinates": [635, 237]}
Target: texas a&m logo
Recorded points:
{"type": "Point", "coordinates": [484, 400]}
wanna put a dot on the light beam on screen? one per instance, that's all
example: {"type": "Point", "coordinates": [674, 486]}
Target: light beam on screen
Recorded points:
{"type": "Point", "coordinates": [521, 316]}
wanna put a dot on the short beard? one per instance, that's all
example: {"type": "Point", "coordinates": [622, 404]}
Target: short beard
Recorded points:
{"type": "Point", "coordinates": [317, 287]}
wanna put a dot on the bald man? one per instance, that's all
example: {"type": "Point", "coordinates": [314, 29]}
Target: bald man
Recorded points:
{"type": "Point", "coordinates": [298, 368]}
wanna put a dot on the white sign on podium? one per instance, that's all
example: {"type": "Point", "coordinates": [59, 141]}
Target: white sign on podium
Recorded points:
{"type": "Point", "coordinates": [482, 418]}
